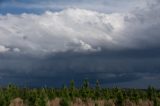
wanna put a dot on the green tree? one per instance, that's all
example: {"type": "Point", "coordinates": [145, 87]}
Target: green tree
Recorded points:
{"type": "Point", "coordinates": [151, 92]}
{"type": "Point", "coordinates": [72, 90]}
{"type": "Point", "coordinates": [106, 94]}
{"type": "Point", "coordinates": [41, 98]}
{"type": "Point", "coordinates": [97, 90]}
{"type": "Point", "coordinates": [85, 90]}
{"type": "Point", "coordinates": [51, 94]}
{"type": "Point", "coordinates": [64, 102]}
{"type": "Point", "coordinates": [120, 98]}
{"type": "Point", "coordinates": [32, 96]}
{"type": "Point", "coordinates": [65, 92]}
{"type": "Point", "coordinates": [11, 92]}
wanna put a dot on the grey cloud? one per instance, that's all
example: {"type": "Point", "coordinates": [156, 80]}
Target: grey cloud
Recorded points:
{"type": "Point", "coordinates": [110, 69]}
{"type": "Point", "coordinates": [118, 48]}
{"type": "Point", "coordinates": [142, 27]}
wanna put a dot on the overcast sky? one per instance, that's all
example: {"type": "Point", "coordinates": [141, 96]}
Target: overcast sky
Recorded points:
{"type": "Point", "coordinates": [52, 42]}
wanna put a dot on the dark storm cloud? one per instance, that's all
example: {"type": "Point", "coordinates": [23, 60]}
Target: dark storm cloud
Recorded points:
{"type": "Point", "coordinates": [110, 68]}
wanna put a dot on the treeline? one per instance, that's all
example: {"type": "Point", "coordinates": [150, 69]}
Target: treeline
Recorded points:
{"type": "Point", "coordinates": [39, 96]}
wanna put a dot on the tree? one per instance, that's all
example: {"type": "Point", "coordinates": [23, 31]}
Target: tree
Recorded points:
{"type": "Point", "coordinates": [120, 98]}
{"type": "Point", "coordinates": [85, 90]}
{"type": "Point", "coordinates": [106, 94]}
{"type": "Point", "coordinates": [11, 92]}
{"type": "Point", "coordinates": [97, 90]}
{"type": "Point", "coordinates": [51, 94]}
{"type": "Point", "coordinates": [151, 92]}
{"type": "Point", "coordinates": [65, 92]}
{"type": "Point", "coordinates": [64, 102]}
{"type": "Point", "coordinates": [72, 90]}
{"type": "Point", "coordinates": [41, 98]}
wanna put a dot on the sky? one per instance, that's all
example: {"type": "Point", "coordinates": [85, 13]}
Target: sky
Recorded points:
{"type": "Point", "coordinates": [49, 43]}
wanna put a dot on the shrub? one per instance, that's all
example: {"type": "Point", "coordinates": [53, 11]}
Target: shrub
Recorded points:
{"type": "Point", "coordinates": [64, 102]}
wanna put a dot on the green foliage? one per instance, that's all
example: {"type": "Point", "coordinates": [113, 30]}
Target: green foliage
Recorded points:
{"type": "Point", "coordinates": [40, 96]}
{"type": "Point", "coordinates": [106, 94]}
{"type": "Point", "coordinates": [12, 91]}
{"type": "Point", "coordinates": [72, 90]}
{"type": "Point", "coordinates": [156, 101]}
{"type": "Point", "coordinates": [64, 102]}
{"type": "Point", "coordinates": [85, 90]}
{"type": "Point", "coordinates": [51, 93]}
{"type": "Point", "coordinates": [120, 97]}
{"type": "Point", "coordinates": [65, 92]}
{"type": "Point", "coordinates": [151, 92]}
{"type": "Point", "coordinates": [96, 104]}
{"type": "Point", "coordinates": [97, 90]}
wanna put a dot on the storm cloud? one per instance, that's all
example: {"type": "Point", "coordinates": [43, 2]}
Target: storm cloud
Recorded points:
{"type": "Point", "coordinates": [118, 48]}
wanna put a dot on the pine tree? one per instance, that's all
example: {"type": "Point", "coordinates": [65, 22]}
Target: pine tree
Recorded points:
{"type": "Point", "coordinates": [97, 90]}
{"type": "Point", "coordinates": [120, 98]}
{"type": "Point", "coordinates": [85, 90]}
{"type": "Point", "coordinates": [51, 94]}
{"type": "Point", "coordinates": [72, 90]}
{"type": "Point", "coordinates": [65, 92]}
{"type": "Point", "coordinates": [151, 92]}
{"type": "Point", "coordinates": [64, 102]}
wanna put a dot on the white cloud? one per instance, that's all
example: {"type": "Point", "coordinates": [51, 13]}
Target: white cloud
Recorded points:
{"type": "Point", "coordinates": [80, 46]}
{"type": "Point", "coordinates": [16, 50]}
{"type": "Point", "coordinates": [80, 30]}
{"type": "Point", "coordinates": [3, 49]}
{"type": "Point", "coordinates": [57, 31]}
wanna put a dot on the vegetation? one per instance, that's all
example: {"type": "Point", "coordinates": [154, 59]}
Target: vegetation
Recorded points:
{"type": "Point", "coordinates": [40, 96]}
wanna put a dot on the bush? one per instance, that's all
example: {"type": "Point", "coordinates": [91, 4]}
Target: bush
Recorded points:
{"type": "Point", "coordinates": [64, 102]}
{"type": "Point", "coordinates": [96, 104]}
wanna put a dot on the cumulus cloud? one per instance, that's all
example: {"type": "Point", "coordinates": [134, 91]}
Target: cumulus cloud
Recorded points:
{"type": "Point", "coordinates": [81, 30]}
{"type": "Point", "coordinates": [71, 29]}
{"type": "Point", "coordinates": [80, 46]}
{"type": "Point", "coordinates": [142, 28]}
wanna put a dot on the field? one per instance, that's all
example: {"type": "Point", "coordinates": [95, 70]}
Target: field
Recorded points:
{"type": "Point", "coordinates": [82, 96]}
